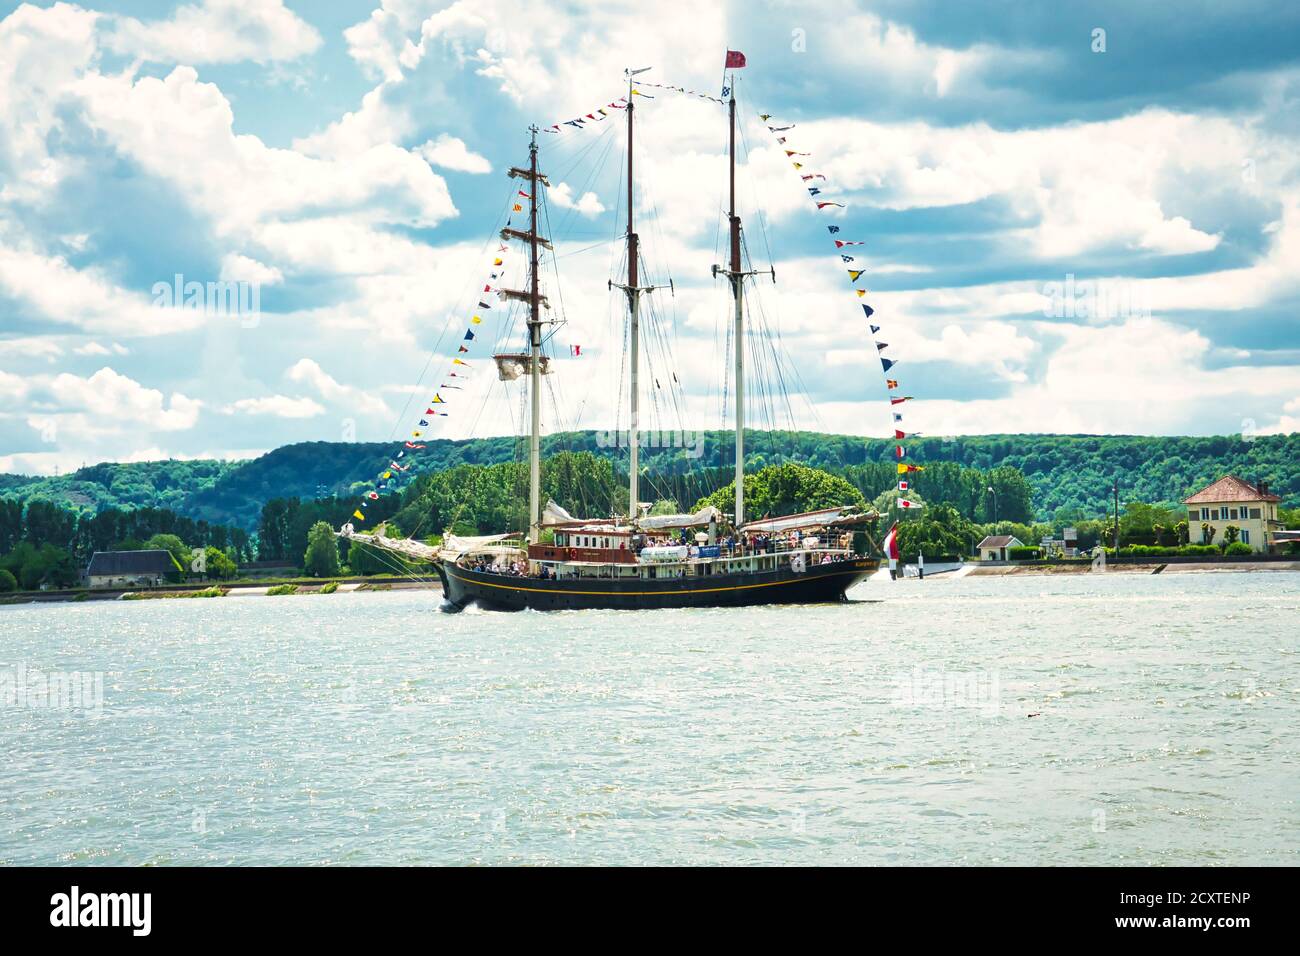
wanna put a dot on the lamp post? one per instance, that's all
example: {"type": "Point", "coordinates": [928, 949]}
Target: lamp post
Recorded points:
{"type": "Point", "coordinates": [1116, 489]}
{"type": "Point", "coordinates": [995, 508]}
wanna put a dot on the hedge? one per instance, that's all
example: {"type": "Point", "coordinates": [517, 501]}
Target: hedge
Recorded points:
{"type": "Point", "coordinates": [1187, 550]}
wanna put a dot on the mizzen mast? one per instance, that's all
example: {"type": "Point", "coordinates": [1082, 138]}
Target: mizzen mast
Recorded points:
{"type": "Point", "coordinates": [737, 277]}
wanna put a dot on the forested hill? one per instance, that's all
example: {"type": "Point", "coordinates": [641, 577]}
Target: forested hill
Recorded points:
{"type": "Point", "coordinates": [1070, 474]}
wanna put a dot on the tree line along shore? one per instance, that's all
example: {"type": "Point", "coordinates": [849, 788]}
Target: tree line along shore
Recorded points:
{"type": "Point", "coordinates": [46, 545]}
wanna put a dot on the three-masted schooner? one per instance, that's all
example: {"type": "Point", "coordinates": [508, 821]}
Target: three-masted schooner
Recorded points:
{"type": "Point", "coordinates": [705, 559]}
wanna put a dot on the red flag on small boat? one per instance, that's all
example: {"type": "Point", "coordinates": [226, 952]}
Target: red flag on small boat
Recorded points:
{"type": "Point", "coordinates": [735, 60]}
{"type": "Point", "coordinates": [891, 543]}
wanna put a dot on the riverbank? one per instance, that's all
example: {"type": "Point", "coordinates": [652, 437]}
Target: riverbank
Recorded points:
{"type": "Point", "coordinates": [301, 586]}
{"type": "Point", "coordinates": [310, 586]}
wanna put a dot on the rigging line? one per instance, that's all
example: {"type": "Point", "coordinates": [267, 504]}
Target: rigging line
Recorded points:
{"type": "Point", "coordinates": [460, 300]}
{"type": "Point", "coordinates": [435, 350]}
{"type": "Point", "coordinates": [771, 340]}
{"type": "Point", "coordinates": [759, 207]}
{"type": "Point", "coordinates": [594, 245]}
{"type": "Point", "coordinates": [758, 308]}
{"type": "Point", "coordinates": [595, 169]}
{"type": "Point", "coordinates": [580, 153]}
{"type": "Point", "coordinates": [820, 424]}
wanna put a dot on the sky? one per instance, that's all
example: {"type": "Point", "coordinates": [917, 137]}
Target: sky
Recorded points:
{"type": "Point", "coordinates": [1080, 219]}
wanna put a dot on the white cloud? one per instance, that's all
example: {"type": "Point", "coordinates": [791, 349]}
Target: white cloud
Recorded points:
{"type": "Point", "coordinates": [85, 297]}
{"type": "Point", "coordinates": [1100, 381]}
{"type": "Point", "coordinates": [1287, 422]}
{"type": "Point", "coordinates": [41, 51]}
{"type": "Point", "coordinates": [375, 122]}
{"type": "Point", "coordinates": [237, 268]}
{"type": "Point", "coordinates": [180, 129]}
{"type": "Point", "coordinates": [452, 153]}
{"type": "Point", "coordinates": [31, 347]}
{"type": "Point", "coordinates": [901, 60]}
{"type": "Point", "coordinates": [113, 400]}
{"type": "Point", "coordinates": [94, 348]}
{"type": "Point", "coordinates": [378, 42]}
{"type": "Point", "coordinates": [216, 31]}
{"type": "Point", "coordinates": [999, 348]}
{"type": "Point", "coordinates": [1084, 186]}
{"type": "Point", "coordinates": [279, 406]}
{"type": "Point", "coordinates": [307, 372]}
{"type": "Point", "coordinates": [588, 204]}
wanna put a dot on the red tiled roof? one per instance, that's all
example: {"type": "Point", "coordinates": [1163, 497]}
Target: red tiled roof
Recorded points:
{"type": "Point", "coordinates": [998, 541]}
{"type": "Point", "coordinates": [1226, 489]}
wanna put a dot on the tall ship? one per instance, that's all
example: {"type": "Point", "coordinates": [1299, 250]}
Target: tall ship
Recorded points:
{"type": "Point", "coordinates": [639, 560]}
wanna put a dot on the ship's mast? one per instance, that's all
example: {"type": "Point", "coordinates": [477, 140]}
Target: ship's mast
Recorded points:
{"type": "Point", "coordinates": [533, 296]}
{"type": "Point", "coordinates": [737, 277]}
{"type": "Point", "coordinates": [535, 349]}
{"type": "Point", "coordinates": [633, 290]}
{"type": "Point", "coordinates": [738, 292]}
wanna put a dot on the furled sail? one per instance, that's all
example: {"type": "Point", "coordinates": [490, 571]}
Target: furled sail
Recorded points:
{"type": "Point", "coordinates": [663, 522]}
{"type": "Point", "coordinates": [824, 518]}
{"type": "Point", "coordinates": [511, 367]}
{"type": "Point", "coordinates": [553, 514]}
{"type": "Point", "coordinates": [453, 545]}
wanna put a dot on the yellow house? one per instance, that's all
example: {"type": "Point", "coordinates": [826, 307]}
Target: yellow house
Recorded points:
{"type": "Point", "coordinates": [1232, 501]}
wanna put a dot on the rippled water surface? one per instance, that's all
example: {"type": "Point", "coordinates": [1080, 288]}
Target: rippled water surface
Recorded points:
{"type": "Point", "coordinates": [371, 728]}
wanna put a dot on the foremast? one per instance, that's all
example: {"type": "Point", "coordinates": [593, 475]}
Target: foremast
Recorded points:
{"type": "Point", "coordinates": [533, 296]}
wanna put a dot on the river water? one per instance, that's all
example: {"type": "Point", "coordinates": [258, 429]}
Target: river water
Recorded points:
{"type": "Point", "coordinates": [370, 728]}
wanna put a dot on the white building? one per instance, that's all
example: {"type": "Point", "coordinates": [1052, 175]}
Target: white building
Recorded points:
{"type": "Point", "coordinates": [110, 569]}
{"type": "Point", "coordinates": [996, 546]}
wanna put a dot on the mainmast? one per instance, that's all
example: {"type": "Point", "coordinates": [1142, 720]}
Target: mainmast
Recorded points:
{"type": "Point", "coordinates": [633, 290]}
{"type": "Point", "coordinates": [737, 278]}
{"type": "Point", "coordinates": [535, 301]}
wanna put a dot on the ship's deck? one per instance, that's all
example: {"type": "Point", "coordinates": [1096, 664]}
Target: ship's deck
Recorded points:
{"type": "Point", "coordinates": [754, 562]}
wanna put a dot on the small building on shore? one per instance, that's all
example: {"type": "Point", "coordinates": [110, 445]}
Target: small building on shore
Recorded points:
{"type": "Point", "coordinates": [1233, 502]}
{"type": "Point", "coordinates": [996, 546]}
{"type": "Point", "coordinates": [127, 569]}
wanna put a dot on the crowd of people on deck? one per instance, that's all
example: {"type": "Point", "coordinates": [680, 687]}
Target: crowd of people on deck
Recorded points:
{"type": "Point", "coordinates": [838, 548]}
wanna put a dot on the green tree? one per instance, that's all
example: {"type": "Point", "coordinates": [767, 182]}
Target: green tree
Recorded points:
{"type": "Point", "coordinates": [786, 489]}
{"type": "Point", "coordinates": [887, 504]}
{"type": "Point", "coordinates": [7, 581]}
{"type": "Point", "coordinates": [180, 552]}
{"type": "Point", "coordinates": [935, 532]}
{"type": "Point", "coordinates": [321, 559]}
{"type": "Point", "coordinates": [33, 566]}
{"type": "Point", "coordinates": [217, 564]}
{"type": "Point", "coordinates": [11, 523]}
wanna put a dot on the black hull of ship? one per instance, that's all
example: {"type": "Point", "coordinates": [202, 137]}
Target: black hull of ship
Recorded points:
{"type": "Point", "coordinates": [819, 584]}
